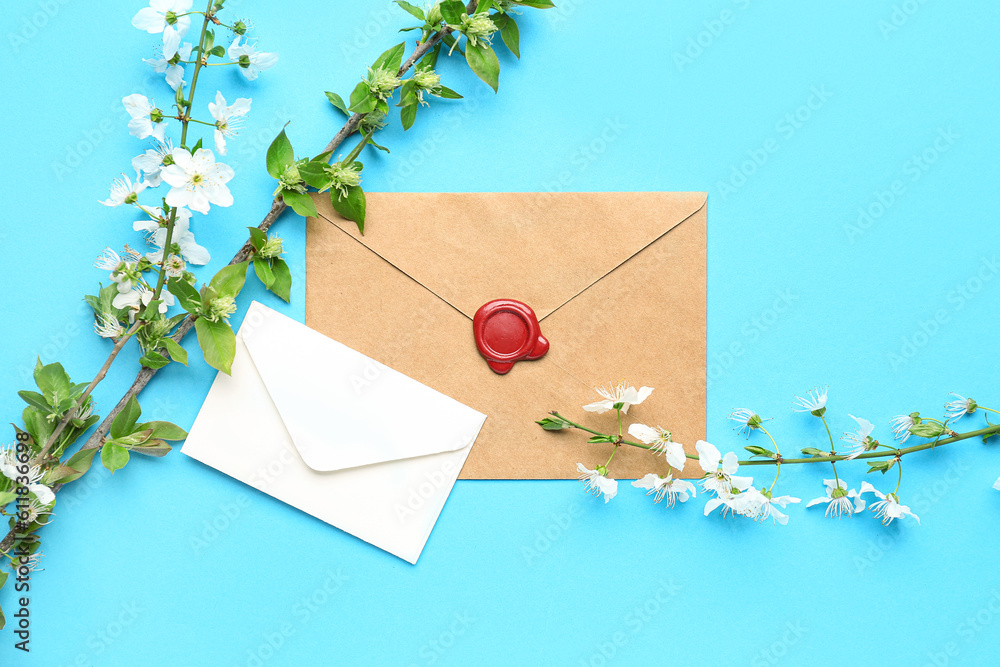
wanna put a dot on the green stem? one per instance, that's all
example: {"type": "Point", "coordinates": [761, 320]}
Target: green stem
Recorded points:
{"type": "Point", "coordinates": [641, 445]}
{"type": "Point", "coordinates": [899, 464]}
{"type": "Point", "coordinates": [990, 430]}
{"type": "Point", "coordinates": [356, 151]}
{"type": "Point", "coordinates": [777, 468]}
{"type": "Point", "coordinates": [832, 450]}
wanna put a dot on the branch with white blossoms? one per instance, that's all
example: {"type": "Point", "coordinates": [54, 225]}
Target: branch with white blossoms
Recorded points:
{"type": "Point", "coordinates": [734, 494]}
{"type": "Point", "coordinates": [143, 287]}
{"type": "Point", "coordinates": [134, 305]}
{"type": "Point", "coordinates": [368, 106]}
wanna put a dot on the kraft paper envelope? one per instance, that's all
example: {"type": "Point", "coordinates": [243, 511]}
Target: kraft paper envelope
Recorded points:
{"type": "Point", "coordinates": [617, 281]}
{"type": "Point", "coordinates": [317, 425]}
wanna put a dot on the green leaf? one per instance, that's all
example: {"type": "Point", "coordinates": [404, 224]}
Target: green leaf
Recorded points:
{"type": "Point", "coordinates": [407, 115]}
{"type": "Point", "coordinates": [37, 425]}
{"type": "Point", "coordinates": [415, 12]}
{"type": "Point", "coordinates": [595, 439]}
{"type": "Point", "coordinates": [352, 206]}
{"type": "Point", "coordinates": [52, 379]}
{"type": "Point", "coordinates": [760, 451]}
{"type": "Point", "coordinates": [337, 101]}
{"type": "Point", "coordinates": [153, 359]}
{"type": "Point", "coordinates": [218, 51]}
{"type": "Point", "coordinates": [537, 4]}
{"type": "Point", "coordinates": [163, 430]}
{"type": "Point", "coordinates": [153, 448]}
{"type": "Point", "coordinates": [282, 285]}
{"type": "Point", "coordinates": [483, 6]}
{"type": "Point", "coordinates": [279, 155]}
{"type": "Point", "coordinates": [218, 343]}
{"type": "Point", "coordinates": [263, 271]}
{"type": "Point", "coordinates": [927, 429]}
{"type": "Point", "coordinates": [553, 424]}
{"type": "Point", "coordinates": [209, 40]}
{"type": "Point", "coordinates": [230, 279]}
{"type": "Point", "coordinates": [35, 399]}
{"type": "Point", "coordinates": [362, 100]}
{"type": "Point", "coordinates": [301, 203]}
{"type": "Point", "coordinates": [126, 419]}
{"type": "Point", "coordinates": [430, 58]}
{"type": "Point", "coordinates": [177, 353]}
{"type": "Point", "coordinates": [511, 36]}
{"type": "Point", "coordinates": [449, 94]}
{"type": "Point", "coordinates": [407, 93]}
{"type": "Point", "coordinates": [257, 238]}
{"type": "Point", "coordinates": [812, 451]}
{"type": "Point", "coordinates": [185, 292]}
{"type": "Point", "coordinates": [371, 142]}
{"type": "Point", "coordinates": [75, 467]}
{"type": "Point", "coordinates": [452, 11]}
{"type": "Point", "coordinates": [314, 173]}
{"type": "Point", "coordinates": [114, 457]}
{"type": "Point", "coordinates": [483, 61]}
{"type": "Point", "coordinates": [391, 58]}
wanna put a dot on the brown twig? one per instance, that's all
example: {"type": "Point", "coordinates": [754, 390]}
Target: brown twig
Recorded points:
{"type": "Point", "coordinates": [96, 439]}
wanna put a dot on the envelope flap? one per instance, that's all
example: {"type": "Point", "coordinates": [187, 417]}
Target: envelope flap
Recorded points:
{"type": "Point", "coordinates": [343, 409]}
{"type": "Point", "coordinates": [539, 248]}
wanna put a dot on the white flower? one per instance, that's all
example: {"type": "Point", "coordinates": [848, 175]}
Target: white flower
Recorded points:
{"type": "Point", "coordinates": [996, 484]}
{"type": "Point", "coordinates": [661, 442]}
{"type": "Point", "coordinates": [720, 477]}
{"type": "Point", "coordinates": [620, 394]}
{"type": "Point", "coordinates": [108, 326]}
{"type": "Point", "coordinates": [174, 266]}
{"type": "Point", "coordinates": [123, 191]}
{"type": "Point", "coordinates": [666, 487]}
{"type": "Point", "coordinates": [156, 235]}
{"type": "Point", "coordinates": [960, 407]}
{"type": "Point", "coordinates": [123, 272]}
{"type": "Point", "coordinates": [175, 72]}
{"type": "Point", "coordinates": [901, 427]}
{"type": "Point", "coordinates": [838, 498]}
{"type": "Point", "coordinates": [760, 505]}
{"type": "Point", "coordinates": [227, 118]}
{"type": "Point", "coordinates": [197, 180]}
{"type": "Point", "coordinates": [730, 503]}
{"type": "Point", "coordinates": [888, 508]}
{"type": "Point", "coordinates": [141, 294]}
{"type": "Point", "coordinates": [252, 62]}
{"type": "Point", "coordinates": [146, 119]}
{"type": "Point", "coordinates": [9, 468]}
{"type": "Point", "coordinates": [151, 162]}
{"type": "Point", "coordinates": [860, 437]}
{"type": "Point", "coordinates": [168, 17]}
{"type": "Point", "coordinates": [597, 482]}
{"type": "Point", "coordinates": [814, 402]}
{"type": "Point", "coordinates": [747, 419]}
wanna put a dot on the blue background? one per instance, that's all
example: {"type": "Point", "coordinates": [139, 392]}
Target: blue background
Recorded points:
{"type": "Point", "coordinates": [170, 563]}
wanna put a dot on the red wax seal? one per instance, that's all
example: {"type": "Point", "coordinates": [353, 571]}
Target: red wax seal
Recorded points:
{"type": "Point", "coordinates": [507, 331]}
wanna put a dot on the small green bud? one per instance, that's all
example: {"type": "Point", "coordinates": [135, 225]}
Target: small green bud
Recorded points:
{"type": "Point", "coordinates": [434, 14]}
{"type": "Point", "coordinates": [220, 308]}
{"type": "Point", "coordinates": [381, 82]}
{"type": "Point", "coordinates": [170, 18]}
{"type": "Point", "coordinates": [240, 28]}
{"type": "Point", "coordinates": [272, 248]}
{"type": "Point", "coordinates": [156, 115]}
{"type": "Point", "coordinates": [343, 176]}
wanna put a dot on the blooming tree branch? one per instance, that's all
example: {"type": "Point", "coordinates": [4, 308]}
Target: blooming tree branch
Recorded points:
{"type": "Point", "coordinates": [737, 495]}
{"type": "Point", "coordinates": [132, 307]}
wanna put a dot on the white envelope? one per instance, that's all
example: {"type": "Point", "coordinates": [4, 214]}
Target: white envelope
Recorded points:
{"type": "Point", "coordinates": [334, 433]}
